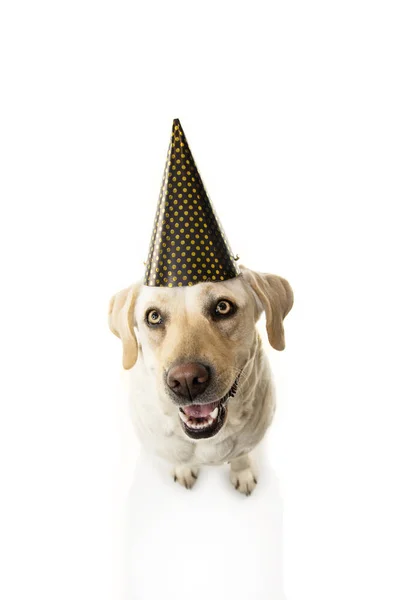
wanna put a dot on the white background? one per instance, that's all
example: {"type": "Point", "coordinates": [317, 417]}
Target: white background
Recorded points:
{"type": "Point", "coordinates": [292, 113]}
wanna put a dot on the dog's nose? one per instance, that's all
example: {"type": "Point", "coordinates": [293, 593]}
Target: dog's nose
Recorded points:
{"type": "Point", "coordinates": [188, 380]}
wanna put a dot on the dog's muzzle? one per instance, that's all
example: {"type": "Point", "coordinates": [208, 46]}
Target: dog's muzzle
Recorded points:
{"type": "Point", "coordinates": [201, 421]}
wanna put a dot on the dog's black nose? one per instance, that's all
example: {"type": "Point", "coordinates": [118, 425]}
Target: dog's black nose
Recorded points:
{"type": "Point", "coordinates": [188, 380]}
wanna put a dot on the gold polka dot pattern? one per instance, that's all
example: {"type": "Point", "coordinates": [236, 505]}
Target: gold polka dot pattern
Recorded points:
{"type": "Point", "coordinates": [188, 244]}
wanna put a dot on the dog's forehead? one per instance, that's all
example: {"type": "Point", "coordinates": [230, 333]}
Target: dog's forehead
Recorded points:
{"type": "Point", "coordinates": [194, 296]}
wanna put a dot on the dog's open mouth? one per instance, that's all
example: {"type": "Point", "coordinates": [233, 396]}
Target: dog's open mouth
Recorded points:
{"type": "Point", "coordinates": [205, 420]}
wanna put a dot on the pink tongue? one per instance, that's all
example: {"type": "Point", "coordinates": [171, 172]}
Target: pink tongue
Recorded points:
{"type": "Point", "coordinates": [199, 410]}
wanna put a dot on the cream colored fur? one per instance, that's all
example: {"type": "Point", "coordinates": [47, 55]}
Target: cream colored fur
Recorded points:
{"type": "Point", "coordinates": [231, 345]}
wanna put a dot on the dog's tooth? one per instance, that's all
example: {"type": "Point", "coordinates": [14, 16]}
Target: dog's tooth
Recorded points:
{"type": "Point", "coordinates": [214, 413]}
{"type": "Point", "coordinates": [184, 417]}
{"type": "Point", "coordinates": [203, 423]}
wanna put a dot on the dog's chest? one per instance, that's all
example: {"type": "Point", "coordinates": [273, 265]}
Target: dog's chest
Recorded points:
{"type": "Point", "coordinates": [207, 452]}
{"type": "Point", "coordinates": [214, 453]}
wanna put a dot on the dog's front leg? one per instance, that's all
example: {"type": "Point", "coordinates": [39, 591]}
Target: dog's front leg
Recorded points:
{"type": "Point", "coordinates": [243, 475]}
{"type": "Point", "coordinates": [185, 475]}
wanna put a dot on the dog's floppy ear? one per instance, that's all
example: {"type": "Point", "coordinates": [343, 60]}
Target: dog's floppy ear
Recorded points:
{"type": "Point", "coordinates": [120, 320]}
{"type": "Point", "coordinates": [276, 298]}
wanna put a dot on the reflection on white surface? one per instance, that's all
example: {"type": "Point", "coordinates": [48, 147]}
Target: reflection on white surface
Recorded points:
{"type": "Point", "coordinates": [208, 542]}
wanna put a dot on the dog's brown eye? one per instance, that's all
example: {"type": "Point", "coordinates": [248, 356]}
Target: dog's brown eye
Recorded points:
{"type": "Point", "coordinates": [223, 308]}
{"type": "Point", "coordinates": [154, 317]}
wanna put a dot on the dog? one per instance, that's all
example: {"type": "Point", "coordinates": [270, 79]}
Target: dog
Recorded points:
{"type": "Point", "coordinates": [201, 391]}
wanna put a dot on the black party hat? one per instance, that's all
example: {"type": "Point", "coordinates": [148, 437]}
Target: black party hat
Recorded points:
{"type": "Point", "coordinates": [188, 244]}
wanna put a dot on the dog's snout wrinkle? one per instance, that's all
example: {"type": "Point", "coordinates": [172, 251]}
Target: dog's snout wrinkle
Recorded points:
{"type": "Point", "coordinates": [188, 380]}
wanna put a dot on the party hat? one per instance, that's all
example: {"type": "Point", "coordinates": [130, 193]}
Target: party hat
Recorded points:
{"type": "Point", "coordinates": [188, 244]}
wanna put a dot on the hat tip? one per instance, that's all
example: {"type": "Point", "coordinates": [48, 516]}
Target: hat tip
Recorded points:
{"type": "Point", "coordinates": [176, 122]}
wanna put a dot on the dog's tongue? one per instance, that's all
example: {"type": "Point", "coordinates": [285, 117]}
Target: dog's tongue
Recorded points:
{"type": "Point", "coordinates": [199, 410]}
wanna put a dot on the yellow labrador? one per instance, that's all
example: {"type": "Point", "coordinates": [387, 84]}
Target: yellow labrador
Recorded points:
{"type": "Point", "coordinates": [201, 389]}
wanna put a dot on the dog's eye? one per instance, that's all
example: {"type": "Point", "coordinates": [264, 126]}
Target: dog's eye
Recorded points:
{"type": "Point", "coordinates": [153, 317]}
{"type": "Point", "coordinates": [223, 308]}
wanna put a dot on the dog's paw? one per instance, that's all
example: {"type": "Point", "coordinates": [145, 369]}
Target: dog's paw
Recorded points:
{"type": "Point", "coordinates": [244, 481]}
{"type": "Point", "coordinates": [186, 476]}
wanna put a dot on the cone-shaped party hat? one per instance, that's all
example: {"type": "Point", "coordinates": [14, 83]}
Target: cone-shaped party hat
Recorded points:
{"type": "Point", "coordinates": [188, 244]}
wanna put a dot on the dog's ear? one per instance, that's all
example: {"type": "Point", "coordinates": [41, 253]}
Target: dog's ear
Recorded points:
{"type": "Point", "coordinates": [276, 298]}
{"type": "Point", "coordinates": [120, 320]}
